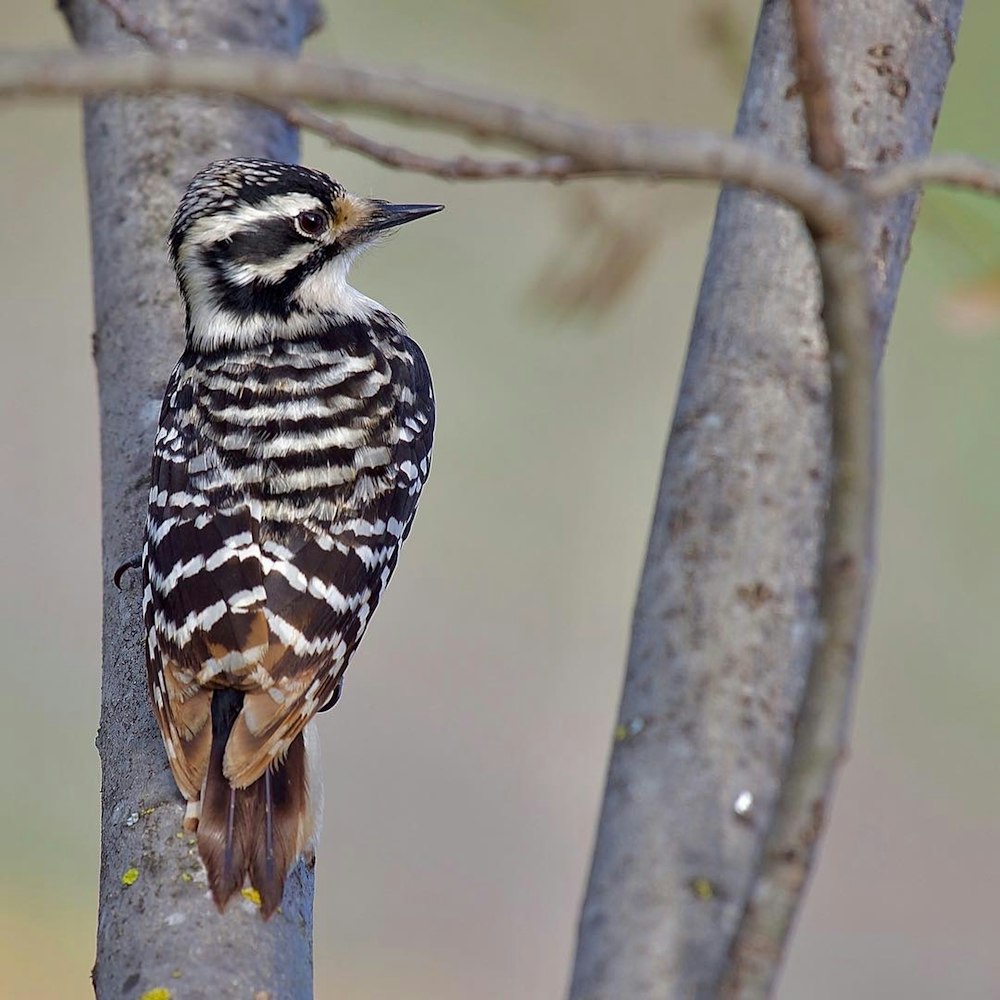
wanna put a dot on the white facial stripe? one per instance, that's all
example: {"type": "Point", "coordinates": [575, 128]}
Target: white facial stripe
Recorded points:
{"type": "Point", "coordinates": [271, 271]}
{"type": "Point", "coordinates": [215, 228]}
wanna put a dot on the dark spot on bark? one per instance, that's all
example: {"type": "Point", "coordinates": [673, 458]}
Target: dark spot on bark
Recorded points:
{"type": "Point", "coordinates": [884, 246]}
{"type": "Point", "coordinates": [130, 983]}
{"type": "Point", "coordinates": [844, 564]}
{"type": "Point", "coordinates": [680, 521]}
{"type": "Point", "coordinates": [812, 393]}
{"type": "Point", "coordinates": [811, 832]}
{"type": "Point", "coordinates": [793, 90]}
{"type": "Point", "coordinates": [887, 153]}
{"type": "Point", "coordinates": [899, 87]}
{"type": "Point", "coordinates": [923, 12]}
{"type": "Point", "coordinates": [899, 84]}
{"type": "Point", "coordinates": [755, 595]}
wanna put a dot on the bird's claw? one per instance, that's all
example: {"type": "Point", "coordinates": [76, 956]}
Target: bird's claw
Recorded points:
{"type": "Point", "coordinates": [134, 563]}
{"type": "Point", "coordinates": [335, 697]}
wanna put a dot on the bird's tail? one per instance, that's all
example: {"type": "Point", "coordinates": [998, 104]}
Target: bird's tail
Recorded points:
{"type": "Point", "coordinates": [259, 830]}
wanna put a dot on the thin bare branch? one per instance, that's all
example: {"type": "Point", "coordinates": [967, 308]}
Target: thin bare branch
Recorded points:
{"type": "Point", "coordinates": [450, 168]}
{"type": "Point", "coordinates": [615, 149]}
{"type": "Point", "coordinates": [135, 24]}
{"type": "Point", "coordinates": [818, 743]}
{"type": "Point", "coordinates": [341, 134]}
{"type": "Point", "coordinates": [825, 147]}
{"type": "Point", "coordinates": [951, 169]}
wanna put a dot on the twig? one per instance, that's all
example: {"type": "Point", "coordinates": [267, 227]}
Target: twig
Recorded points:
{"type": "Point", "coordinates": [135, 24]}
{"type": "Point", "coordinates": [951, 169]}
{"type": "Point", "coordinates": [818, 739]}
{"type": "Point", "coordinates": [451, 168]}
{"type": "Point", "coordinates": [819, 731]}
{"type": "Point", "coordinates": [342, 135]}
{"type": "Point", "coordinates": [825, 147]}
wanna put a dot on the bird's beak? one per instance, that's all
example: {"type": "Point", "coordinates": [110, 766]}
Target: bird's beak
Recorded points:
{"type": "Point", "coordinates": [386, 216]}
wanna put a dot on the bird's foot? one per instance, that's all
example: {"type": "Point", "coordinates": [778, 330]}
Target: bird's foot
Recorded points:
{"type": "Point", "coordinates": [134, 563]}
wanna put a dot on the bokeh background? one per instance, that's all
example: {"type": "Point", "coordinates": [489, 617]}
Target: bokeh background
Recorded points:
{"type": "Point", "coordinates": [465, 764]}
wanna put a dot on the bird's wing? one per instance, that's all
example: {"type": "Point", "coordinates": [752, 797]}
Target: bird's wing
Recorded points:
{"type": "Point", "coordinates": [203, 597]}
{"type": "Point", "coordinates": [323, 583]}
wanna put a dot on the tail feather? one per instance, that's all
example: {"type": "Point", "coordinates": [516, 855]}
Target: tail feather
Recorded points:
{"type": "Point", "coordinates": [284, 808]}
{"type": "Point", "coordinates": [259, 830]}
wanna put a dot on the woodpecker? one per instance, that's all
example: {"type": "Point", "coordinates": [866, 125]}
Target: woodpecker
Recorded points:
{"type": "Point", "coordinates": [293, 442]}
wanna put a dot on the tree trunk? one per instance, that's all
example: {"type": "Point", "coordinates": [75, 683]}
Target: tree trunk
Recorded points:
{"type": "Point", "coordinates": [725, 617]}
{"type": "Point", "coordinates": [157, 927]}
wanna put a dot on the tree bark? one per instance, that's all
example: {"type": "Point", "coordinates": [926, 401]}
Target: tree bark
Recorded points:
{"type": "Point", "coordinates": [725, 618]}
{"type": "Point", "coordinates": [157, 927]}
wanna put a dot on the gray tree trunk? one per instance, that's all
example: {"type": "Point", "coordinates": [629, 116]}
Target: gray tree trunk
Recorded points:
{"type": "Point", "coordinates": [162, 930]}
{"type": "Point", "coordinates": [725, 615]}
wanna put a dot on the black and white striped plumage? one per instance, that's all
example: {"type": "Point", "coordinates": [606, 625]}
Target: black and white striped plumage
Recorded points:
{"type": "Point", "coordinates": [293, 442]}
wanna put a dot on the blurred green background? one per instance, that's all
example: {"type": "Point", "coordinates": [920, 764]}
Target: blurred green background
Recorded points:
{"type": "Point", "coordinates": [464, 766]}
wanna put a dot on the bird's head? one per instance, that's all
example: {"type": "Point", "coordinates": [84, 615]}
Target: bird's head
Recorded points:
{"type": "Point", "coordinates": [262, 250]}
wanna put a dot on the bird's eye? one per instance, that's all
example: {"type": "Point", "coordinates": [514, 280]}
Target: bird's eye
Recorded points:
{"type": "Point", "coordinates": [311, 223]}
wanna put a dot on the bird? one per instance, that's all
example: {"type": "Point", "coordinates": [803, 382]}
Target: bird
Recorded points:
{"type": "Point", "coordinates": [293, 442]}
